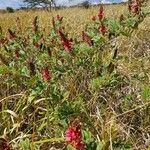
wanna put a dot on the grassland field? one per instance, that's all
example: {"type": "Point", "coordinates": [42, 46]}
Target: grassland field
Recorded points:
{"type": "Point", "coordinates": [131, 127]}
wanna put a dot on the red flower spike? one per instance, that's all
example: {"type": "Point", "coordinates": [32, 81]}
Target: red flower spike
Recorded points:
{"type": "Point", "coordinates": [121, 18]}
{"type": "Point", "coordinates": [101, 13]}
{"type": "Point", "coordinates": [59, 18]}
{"type": "Point", "coordinates": [12, 35]}
{"type": "Point", "coordinates": [46, 74]}
{"type": "Point", "coordinates": [87, 39]}
{"type": "Point", "coordinates": [3, 41]}
{"type": "Point", "coordinates": [67, 45]}
{"type": "Point", "coordinates": [18, 23]}
{"type": "Point", "coordinates": [17, 54]}
{"type": "Point", "coordinates": [35, 24]}
{"type": "Point", "coordinates": [61, 29]}
{"type": "Point", "coordinates": [134, 6]}
{"type": "Point", "coordinates": [103, 29]}
{"type": "Point", "coordinates": [94, 18]}
{"type": "Point", "coordinates": [80, 146]}
{"type": "Point", "coordinates": [53, 23]}
{"type": "Point", "coordinates": [73, 137]}
{"type": "Point", "coordinates": [65, 42]}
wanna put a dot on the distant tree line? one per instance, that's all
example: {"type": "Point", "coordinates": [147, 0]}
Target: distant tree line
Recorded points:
{"type": "Point", "coordinates": [47, 4]}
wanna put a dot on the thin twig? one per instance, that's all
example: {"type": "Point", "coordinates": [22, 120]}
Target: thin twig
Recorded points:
{"type": "Point", "coordinates": [131, 110]}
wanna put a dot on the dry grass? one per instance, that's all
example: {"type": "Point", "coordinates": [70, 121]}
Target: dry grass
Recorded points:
{"type": "Point", "coordinates": [74, 18]}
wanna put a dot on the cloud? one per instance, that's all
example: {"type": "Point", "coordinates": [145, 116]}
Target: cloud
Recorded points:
{"type": "Point", "coordinates": [10, 3]}
{"type": "Point", "coordinates": [68, 2]}
{"type": "Point", "coordinates": [18, 3]}
{"type": "Point", "coordinates": [74, 2]}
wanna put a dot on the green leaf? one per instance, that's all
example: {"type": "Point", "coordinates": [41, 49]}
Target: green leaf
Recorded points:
{"type": "Point", "coordinates": [114, 26]}
{"type": "Point", "coordinates": [25, 144]}
{"type": "Point", "coordinates": [4, 69]}
{"type": "Point", "coordinates": [146, 92]}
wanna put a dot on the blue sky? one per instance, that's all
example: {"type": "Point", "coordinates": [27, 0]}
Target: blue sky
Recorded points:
{"type": "Point", "coordinates": [18, 3]}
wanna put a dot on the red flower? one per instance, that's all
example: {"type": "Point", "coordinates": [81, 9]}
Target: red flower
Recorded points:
{"type": "Point", "coordinates": [59, 18]}
{"type": "Point", "coordinates": [80, 146]}
{"type": "Point", "coordinates": [46, 74]}
{"type": "Point", "coordinates": [101, 13]}
{"type": "Point", "coordinates": [134, 6]}
{"type": "Point", "coordinates": [74, 137]}
{"type": "Point", "coordinates": [67, 45]}
{"type": "Point", "coordinates": [35, 24]}
{"type": "Point", "coordinates": [103, 29]}
{"type": "Point", "coordinates": [121, 19]}
{"type": "Point", "coordinates": [62, 29]}
{"type": "Point", "coordinates": [94, 18]}
{"type": "Point", "coordinates": [18, 21]}
{"type": "Point", "coordinates": [3, 41]}
{"type": "Point", "coordinates": [53, 23]}
{"type": "Point", "coordinates": [17, 54]}
{"type": "Point", "coordinates": [87, 39]}
{"type": "Point", "coordinates": [65, 42]}
{"type": "Point", "coordinates": [12, 34]}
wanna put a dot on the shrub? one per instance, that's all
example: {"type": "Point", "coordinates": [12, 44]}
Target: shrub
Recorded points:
{"type": "Point", "coordinates": [10, 10]}
{"type": "Point", "coordinates": [85, 4]}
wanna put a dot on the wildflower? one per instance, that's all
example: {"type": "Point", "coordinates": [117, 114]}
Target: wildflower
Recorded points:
{"type": "Point", "coordinates": [94, 18]}
{"type": "Point", "coordinates": [12, 34]}
{"type": "Point", "coordinates": [18, 23]}
{"type": "Point", "coordinates": [35, 24]}
{"type": "Point", "coordinates": [134, 6]}
{"type": "Point", "coordinates": [121, 19]}
{"type": "Point", "coordinates": [101, 13]}
{"type": "Point", "coordinates": [3, 41]}
{"type": "Point", "coordinates": [53, 23]}
{"type": "Point", "coordinates": [129, 5]}
{"type": "Point", "coordinates": [80, 146]}
{"type": "Point", "coordinates": [73, 137]}
{"type": "Point", "coordinates": [103, 29]}
{"type": "Point", "coordinates": [62, 29]}
{"type": "Point", "coordinates": [46, 74]}
{"type": "Point", "coordinates": [59, 18]}
{"type": "Point", "coordinates": [87, 39]}
{"type": "Point", "coordinates": [65, 42]}
{"type": "Point", "coordinates": [17, 54]}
